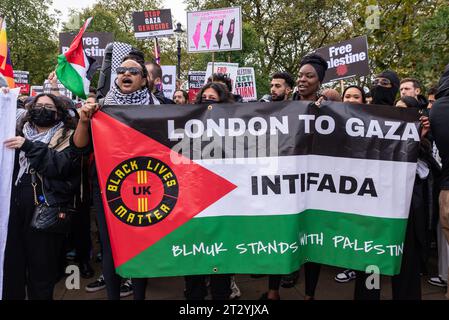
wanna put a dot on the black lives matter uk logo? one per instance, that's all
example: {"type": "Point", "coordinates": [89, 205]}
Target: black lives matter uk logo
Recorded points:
{"type": "Point", "coordinates": [142, 191]}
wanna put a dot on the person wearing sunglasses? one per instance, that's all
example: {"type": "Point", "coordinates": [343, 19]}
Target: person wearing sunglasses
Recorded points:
{"type": "Point", "coordinates": [385, 88]}
{"type": "Point", "coordinates": [131, 88]}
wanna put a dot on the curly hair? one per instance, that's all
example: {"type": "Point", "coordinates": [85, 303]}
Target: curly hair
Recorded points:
{"type": "Point", "coordinates": [69, 122]}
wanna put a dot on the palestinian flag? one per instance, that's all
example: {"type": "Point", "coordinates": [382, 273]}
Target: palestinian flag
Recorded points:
{"type": "Point", "coordinates": [75, 68]}
{"type": "Point", "coordinates": [255, 188]}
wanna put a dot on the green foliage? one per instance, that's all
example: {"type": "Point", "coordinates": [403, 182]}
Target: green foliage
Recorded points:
{"type": "Point", "coordinates": [31, 36]}
{"type": "Point", "coordinates": [411, 39]}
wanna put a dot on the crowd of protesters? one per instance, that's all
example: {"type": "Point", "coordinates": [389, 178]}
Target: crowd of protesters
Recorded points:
{"type": "Point", "coordinates": [54, 164]}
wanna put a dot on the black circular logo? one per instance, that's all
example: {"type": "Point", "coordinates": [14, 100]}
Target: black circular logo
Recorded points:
{"type": "Point", "coordinates": [142, 191]}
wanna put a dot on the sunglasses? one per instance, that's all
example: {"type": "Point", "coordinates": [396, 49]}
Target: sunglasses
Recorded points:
{"type": "Point", "coordinates": [132, 70]}
{"type": "Point", "coordinates": [381, 82]}
{"type": "Point", "coordinates": [45, 106]}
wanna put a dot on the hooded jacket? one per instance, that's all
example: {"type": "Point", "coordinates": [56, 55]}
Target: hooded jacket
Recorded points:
{"type": "Point", "coordinates": [439, 118]}
{"type": "Point", "coordinates": [386, 96]}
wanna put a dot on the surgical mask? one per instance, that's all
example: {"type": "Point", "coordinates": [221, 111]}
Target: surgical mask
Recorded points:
{"type": "Point", "coordinates": [43, 117]}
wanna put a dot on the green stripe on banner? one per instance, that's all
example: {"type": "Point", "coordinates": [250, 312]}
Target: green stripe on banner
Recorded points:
{"type": "Point", "coordinates": [69, 77]}
{"type": "Point", "coordinates": [273, 244]}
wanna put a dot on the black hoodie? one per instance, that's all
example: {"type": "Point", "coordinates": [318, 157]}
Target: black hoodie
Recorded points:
{"type": "Point", "coordinates": [439, 122]}
{"type": "Point", "coordinates": [386, 96]}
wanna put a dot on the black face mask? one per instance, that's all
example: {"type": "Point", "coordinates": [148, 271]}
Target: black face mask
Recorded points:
{"type": "Point", "coordinates": [42, 117]}
{"type": "Point", "coordinates": [208, 101]}
{"type": "Point", "coordinates": [382, 95]}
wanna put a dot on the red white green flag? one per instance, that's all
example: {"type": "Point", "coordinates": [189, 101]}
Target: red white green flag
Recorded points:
{"type": "Point", "coordinates": [74, 68]}
{"type": "Point", "coordinates": [262, 188]}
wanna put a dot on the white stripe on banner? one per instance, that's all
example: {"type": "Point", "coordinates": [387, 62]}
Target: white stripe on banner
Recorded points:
{"type": "Point", "coordinates": [8, 106]}
{"type": "Point", "coordinates": [393, 182]}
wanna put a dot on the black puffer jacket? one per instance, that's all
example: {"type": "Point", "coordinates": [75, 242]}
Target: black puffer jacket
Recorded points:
{"type": "Point", "coordinates": [439, 119]}
{"type": "Point", "coordinates": [60, 171]}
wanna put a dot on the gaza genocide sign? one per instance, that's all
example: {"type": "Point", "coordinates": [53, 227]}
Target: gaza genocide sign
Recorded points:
{"type": "Point", "coordinates": [153, 24]}
{"type": "Point", "coordinates": [346, 59]}
{"type": "Point", "coordinates": [255, 188]}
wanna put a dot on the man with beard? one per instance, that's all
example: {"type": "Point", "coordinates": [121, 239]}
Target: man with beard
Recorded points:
{"type": "Point", "coordinates": [281, 86]}
{"type": "Point", "coordinates": [155, 82]}
{"type": "Point", "coordinates": [431, 96]}
{"type": "Point", "coordinates": [412, 88]}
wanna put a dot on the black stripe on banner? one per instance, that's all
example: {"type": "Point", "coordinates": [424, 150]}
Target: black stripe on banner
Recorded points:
{"type": "Point", "coordinates": [308, 135]}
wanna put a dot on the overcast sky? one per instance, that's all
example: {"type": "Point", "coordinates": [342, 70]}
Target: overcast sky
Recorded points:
{"type": "Point", "coordinates": [177, 8]}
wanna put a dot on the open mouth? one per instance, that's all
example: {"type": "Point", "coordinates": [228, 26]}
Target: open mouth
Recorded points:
{"type": "Point", "coordinates": [127, 81]}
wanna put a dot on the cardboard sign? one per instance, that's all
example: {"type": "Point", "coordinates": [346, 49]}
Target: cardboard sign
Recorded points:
{"type": "Point", "coordinates": [22, 78]}
{"type": "Point", "coordinates": [245, 84]}
{"type": "Point", "coordinates": [196, 81]}
{"type": "Point", "coordinates": [94, 43]}
{"type": "Point", "coordinates": [214, 30]}
{"type": "Point", "coordinates": [168, 81]}
{"type": "Point", "coordinates": [229, 69]}
{"type": "Point", "coordinates": [35, 90]}
{"type": "Point", "coordinates": [346, 59]}
{"type": "Point", "coordinates": [153, 24]}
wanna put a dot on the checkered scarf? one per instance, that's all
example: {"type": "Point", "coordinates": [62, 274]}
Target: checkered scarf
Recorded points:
{"type": "Point", "coordinates": [30, 133]}
{"type": "Point", "coordinates": [115, 97]}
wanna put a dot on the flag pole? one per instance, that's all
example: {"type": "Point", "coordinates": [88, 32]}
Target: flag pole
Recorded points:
{"type": "Point", "coordinates": [213, 61]}
{"type": "Point", "coordinates": [157, 56]}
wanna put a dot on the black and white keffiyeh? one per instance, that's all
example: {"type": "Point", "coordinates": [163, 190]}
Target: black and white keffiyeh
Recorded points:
{"type": "Point", "coordinates": [31, 133]}
{"type": "Point", "coordinates": [115, 97]}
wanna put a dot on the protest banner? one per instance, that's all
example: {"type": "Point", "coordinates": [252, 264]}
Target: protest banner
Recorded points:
{"type": "Point", "coordinates": [214, 30]}
{"type": "Point", "coordinates": [346, 59]}
{"type": "Point", "coordinates": [35, 90]}
{"type": "Point", "coordinates": [168, 81]}
{"type": "Point", "coordinates": [8, 106]}
{"type": "Point", "coordinates": [153, 24]}
{"type": "Point", "coordinates": [196, 80]}
{"type": "Point", "coordinates": [259, 188]}
{"type": "Point", "coordinates": [22, 78]}
{"type": "Point", "coordinates": [228, 69]}
{"type": "Point", "coordinates": [94, 44]}
{"type": "Point", "coordinates": [245, 84]}
{"type": "Point", "coordinates": [63, 91]}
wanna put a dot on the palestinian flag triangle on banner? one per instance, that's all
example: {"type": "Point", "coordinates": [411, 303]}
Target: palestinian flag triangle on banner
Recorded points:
{"type": "Point", "coordinates": [143, 191]}
{"type": "Point", "coordinates": [75, 69]}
